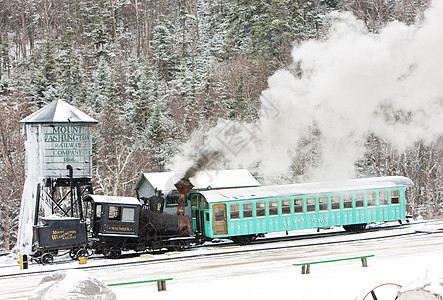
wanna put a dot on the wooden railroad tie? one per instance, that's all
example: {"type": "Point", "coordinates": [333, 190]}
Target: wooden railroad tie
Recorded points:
{"type": "Point", "coordinates": [306, 267]}
{"type": "Point", "coordinates": [161, 283]}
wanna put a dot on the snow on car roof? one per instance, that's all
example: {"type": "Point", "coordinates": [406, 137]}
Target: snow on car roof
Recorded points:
{"type": "Point", "coordinates": [213, 196]}
{"type": "Point", "coordinates": [112, 199]}
{"type": "Point", "coordinates": [207, 179]}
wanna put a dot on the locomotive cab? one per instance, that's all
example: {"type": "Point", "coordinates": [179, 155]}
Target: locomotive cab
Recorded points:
{"type": "Point", "coordinates": [113, 216]}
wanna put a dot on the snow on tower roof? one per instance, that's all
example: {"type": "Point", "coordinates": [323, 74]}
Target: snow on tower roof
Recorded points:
{"type": "Point", "coordinates": [58, 111]}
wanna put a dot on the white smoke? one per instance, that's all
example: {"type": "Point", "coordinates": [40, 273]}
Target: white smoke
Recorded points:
{"type": "Point", "coordinates": [347, 85]}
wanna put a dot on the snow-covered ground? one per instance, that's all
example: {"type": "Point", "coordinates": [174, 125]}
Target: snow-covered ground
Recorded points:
{"type": "Point", "coordinates": [266, 274]}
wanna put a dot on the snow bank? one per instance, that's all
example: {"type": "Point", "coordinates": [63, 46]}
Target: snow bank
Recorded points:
{"type": "Point", "coordinates": [422, 290]}
{"type": "Point", "coordinates": [72, 285]}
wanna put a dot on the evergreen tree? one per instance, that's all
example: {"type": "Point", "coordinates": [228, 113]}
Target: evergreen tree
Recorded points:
{"type": "Point", "coordinates": [270, 27]}
{"type": "Point", "coordinates": [42, 86]}
{"type": "Point", "coordinates": [159, 130]}
{"type": "Point", "coordinates": [101, 87]}
{"type": "Point", "coordinates": [5, 62]}
{"type": "Point", "coordinates": [163, 48]}
{"type": "Point", "coordinates": [148, 93]}
{"type": "Point", "coordinates": [239, 107]}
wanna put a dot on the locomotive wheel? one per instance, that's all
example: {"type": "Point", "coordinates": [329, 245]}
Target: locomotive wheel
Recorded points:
{"type": "Point", "coordinates": [82, 253]}
{"type": "Point", "coordinates": [72, 253]}
{"type": "Point", "coordinates": [115, 253]}
{"type": "Point", "coordinates": [178, 246]}
{"type": "Point", "coordinates": [47, 259]}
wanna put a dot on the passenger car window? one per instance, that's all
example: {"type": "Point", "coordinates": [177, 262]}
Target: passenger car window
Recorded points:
{"type": "Point", "coordinates": [286, 207]}
{"type": "Point", "coordinates": [195, 201]}
{"type": "Point", "coordinates": [260, 209]}
{"type": "Point", "coordinates": [298, 205]}
{"type": "Point", "coordinates": [323, 203]}
{"type": "Point", "coordinates": [395, 197]}
{"type": "Point", "coordinates": [247, 210]}
{"type": "Point", "coordinates": [370, 197]}
{"type": "Point", "coordinates": [383, 198]}
{"type": "Point", "coordinates": [359, 200]}
{"type": "Point", "coordinates": [234, 211]}
{"type": "Point", "coordinates": [219, 213]}
{"type": "Point", "coordinates": [347, 201]}
{"type": "Point", "coordinates": [273, 208]}
{"type": "Point", "coordinates": [310, 204]}
{"type": "Point", "coordinates": [335, 202]}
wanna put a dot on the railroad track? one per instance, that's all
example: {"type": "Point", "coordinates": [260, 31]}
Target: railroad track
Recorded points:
{"type": "Point", "coordinates": [271, 246]}
{"type": "Point", "coordinates": [228, 243]}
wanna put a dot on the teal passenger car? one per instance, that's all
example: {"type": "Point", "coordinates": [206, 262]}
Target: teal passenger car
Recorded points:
{"type": "Point", "coordinates": [242, 214]}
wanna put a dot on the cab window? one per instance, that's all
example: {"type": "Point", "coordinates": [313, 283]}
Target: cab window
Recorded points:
{"type": "Point", "coordinates": [128, 214]}
{"type": "Point", "coordinates": [98, 211]}
{"type": "Point", "coordinates": [115, 213]}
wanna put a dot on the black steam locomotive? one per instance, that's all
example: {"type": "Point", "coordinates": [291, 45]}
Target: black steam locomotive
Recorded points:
{"type": "Point", "coordinates": [114, 224]}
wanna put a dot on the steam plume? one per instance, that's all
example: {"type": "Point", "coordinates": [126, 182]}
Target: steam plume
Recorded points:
{"type": "Point", "coordinates": [348, 85]}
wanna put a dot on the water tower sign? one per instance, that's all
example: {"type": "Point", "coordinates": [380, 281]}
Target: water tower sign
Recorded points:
{"type": "Point", "coordinates": [67, 145]}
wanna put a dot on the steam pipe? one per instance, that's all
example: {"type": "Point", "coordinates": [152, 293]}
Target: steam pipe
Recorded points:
{"type": "Point", "coordinates": [79, 200]}
{"type": "Point", "coordinates": [71, 175]}
{"type": "Point", "coordinates": [37, 204]}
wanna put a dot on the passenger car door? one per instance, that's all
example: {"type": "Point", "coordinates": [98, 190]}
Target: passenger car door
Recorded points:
{"type": "Point", "coordinates": [219, 219]}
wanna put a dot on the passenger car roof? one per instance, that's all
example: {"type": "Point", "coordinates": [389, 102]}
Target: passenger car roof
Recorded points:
{"type": "Point", "coordinates": [213, 196]}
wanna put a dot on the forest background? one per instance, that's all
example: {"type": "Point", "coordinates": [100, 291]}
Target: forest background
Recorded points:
{"type": "Point", "coordinates": [154, 71]}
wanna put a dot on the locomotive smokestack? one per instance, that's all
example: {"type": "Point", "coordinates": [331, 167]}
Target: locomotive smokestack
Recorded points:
{"type": "Point", "coordinates": [184, 224]}
{"type": "Point", "coordinates": [183, 187]}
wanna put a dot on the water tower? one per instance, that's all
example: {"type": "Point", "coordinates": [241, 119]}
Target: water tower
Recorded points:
{"type": "Point", "coordinates": [58, 165]}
